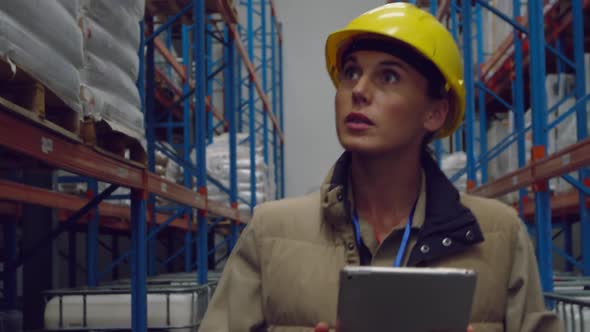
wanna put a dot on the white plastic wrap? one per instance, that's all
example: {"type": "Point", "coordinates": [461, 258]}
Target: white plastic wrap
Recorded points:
{"type": "Point", "coordinates": [118, 112]}
{"type": "Point", "coordinates": [100, 73]}
{"type": "Point", "coordinates": [121, 18]}
{"type": "Point", "coordinates": [43, 37]}
{"type": "Point", "coordinates": [172, 171]}
{"type": "Point", "coordinates": [111, 42]}
{"type": "Point", "coordinates": [218, 167]}
{"type": "Point", "coordinates": [102, 43]}
{"type": "Point", "coordinates": [451, 164]}
{"type": "Point", "coordinates": [499, 166]}
{"type": "Point", "coordinates": [566, 132]}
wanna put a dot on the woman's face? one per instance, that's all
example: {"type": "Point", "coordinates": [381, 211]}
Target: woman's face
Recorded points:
{"type": "Point", "coordinates": [382, 106]}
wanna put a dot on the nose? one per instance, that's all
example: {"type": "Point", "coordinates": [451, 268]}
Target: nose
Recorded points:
{"type": "Point", "coordinates": [361, 91]}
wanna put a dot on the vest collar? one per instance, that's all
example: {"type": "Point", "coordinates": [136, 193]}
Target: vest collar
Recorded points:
{"type": "Point", "coordinates": [446, 219]}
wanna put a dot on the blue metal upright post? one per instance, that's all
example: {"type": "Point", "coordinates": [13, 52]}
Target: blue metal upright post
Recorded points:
{"type": "Point", "coordinates": [240, 108]}
{"type": "Point", "coordinates": [151, 253]}
{"type": "Point", "coordinates": [230, 116]}
{"type": "Point", "coordinates": [581, 119]}
{"type": "Point", "coordinates": [72, 259]}
{"type": "Point", "coordinates": [274, 91]}
{"type": "Point", "coordinates": [210, 125]}
{"type": "Point", "coordinates": [150, 115]}
{"type": "Point", "coordinates": [483, 137]}
{"type": "Point", "coordinates": [469, 97]}
{"type": "Point", "coordinates": [454, 22]}
{"type": "Point", "coordinates": [437, 143]}
{"type": "Point", "coordinates": [251, 107]}
{"type": "Point", "coordinates": [138, 262]}
{"type": "Point", "coordinates": [187, 146]}
{"type": "Point", "coordinates": [539, 117]}
{"type": "Point", "coordinates": [281, 114]}
{"type": "Point", "coordinates": [433, 7]}
{"type": "Point", "coordinates": [263, 48]}
{"type": "Point", "coordinates": [168, 37]}
{"type": "Point", "coordinates": [458, 136]}
{"type": "Point", "coordinates": [10, 249]}
{"type": "Point", "coordinates": [568, 243]}
{"type": "Point", "coordinates": [199, 36]}
{"type": "Point", "coordinates": [518, 100]}
{"type": "Point", "coordinates": [92, 239]}
{"type": "Point", "coordinates": [115, 255]}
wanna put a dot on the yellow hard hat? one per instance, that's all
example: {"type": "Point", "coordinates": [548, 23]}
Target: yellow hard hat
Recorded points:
{"type": "Point", "coordinates": [417, 28]}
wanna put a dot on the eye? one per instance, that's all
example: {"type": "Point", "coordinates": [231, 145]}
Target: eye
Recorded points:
{"type": "Point", "coordinates": [389, 76]}
{"type": "Point", "coordinates": [350, 73]}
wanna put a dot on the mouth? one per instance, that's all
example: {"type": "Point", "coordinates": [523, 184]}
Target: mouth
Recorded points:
{"type": "Point", "coordinates": [358, 121]}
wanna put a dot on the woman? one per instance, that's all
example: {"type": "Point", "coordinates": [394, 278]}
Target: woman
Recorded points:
{"type": "Point", "coordinates": [399, 80]}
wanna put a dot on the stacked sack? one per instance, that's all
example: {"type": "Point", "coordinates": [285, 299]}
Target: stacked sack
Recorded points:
{"type": "Point", "coordinates": [167, 168]}
{"type": "Point", "coordinates": [43, 38]}
{"type": "Point", "coordinates": [218, 168]}
{"type": "Point", "coordinates": [111, 64]}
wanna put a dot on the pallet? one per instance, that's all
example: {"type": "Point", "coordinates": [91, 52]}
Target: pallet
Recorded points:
{"type": "Point", "coordinates": [21, 93]}
{"type": "Point", "coordinates": [104, 139]}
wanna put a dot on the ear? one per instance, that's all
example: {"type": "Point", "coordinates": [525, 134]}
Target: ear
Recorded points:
{"type": "Point", "coordinates": [437, 115]}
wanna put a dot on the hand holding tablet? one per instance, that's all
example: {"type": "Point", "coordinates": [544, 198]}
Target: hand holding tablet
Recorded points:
{"type": "Point", "coordinates": [404, 299]}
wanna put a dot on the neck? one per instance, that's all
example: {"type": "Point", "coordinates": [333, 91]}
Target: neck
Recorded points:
{"type": "Point", "coordinates": [386, 187]}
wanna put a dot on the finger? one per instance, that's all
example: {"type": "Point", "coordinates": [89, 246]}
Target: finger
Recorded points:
{"type": "Point", "coordinates": [322, 327]}
{"type": "Point", "coordinates": [470, 329]}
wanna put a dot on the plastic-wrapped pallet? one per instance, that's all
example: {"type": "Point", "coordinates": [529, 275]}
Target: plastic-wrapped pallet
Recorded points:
{"type": "Point", "coordinates": [111, 42]}
{"type": "Point", "coordinates": [567, 130]}
{"type": "Point", "coordinates": [43, 38]}
{"type": "Point", "coordinates": [498, 166]}
{"type": "Point", "coordinates": [453, 163]}
{"type": "Point", "coordinates": [218, 167]}
{"type": "Point", "coordinates": [501, 164]}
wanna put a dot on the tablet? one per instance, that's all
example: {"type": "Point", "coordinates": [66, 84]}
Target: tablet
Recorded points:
{"type": "Point", "coordinates": [405, 299]}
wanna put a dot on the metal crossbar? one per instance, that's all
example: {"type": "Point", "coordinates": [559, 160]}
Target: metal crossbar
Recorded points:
{"type": "Point", "coordinates": [573, 310]}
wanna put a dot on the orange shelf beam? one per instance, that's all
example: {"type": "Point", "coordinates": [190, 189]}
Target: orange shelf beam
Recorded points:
{"type": "Point", "coordinates": [47, 146]}
{"type": "Point", "coordinates": [562, 162]}
{"type": "Point", "coordinates": [561, 205]}
{"type": "Point", "coordinates": [42, 144]}
{"type": "Point", "coordinates": [116, 214]}
{"type": "Point", "coordinates": [112, 216]}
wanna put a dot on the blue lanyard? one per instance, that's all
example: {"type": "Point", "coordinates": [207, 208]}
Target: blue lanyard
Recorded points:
{"type": "Point", "coordinates": [405, 238]}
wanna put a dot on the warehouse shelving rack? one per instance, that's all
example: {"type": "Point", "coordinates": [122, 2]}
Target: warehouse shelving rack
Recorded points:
{"type": "Point", "coordinates": [549, 37]}
{"type": "Point", "coordinates": [187, 117]}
